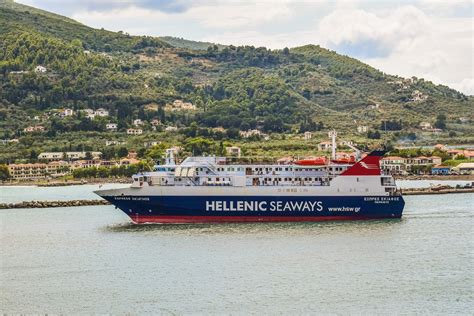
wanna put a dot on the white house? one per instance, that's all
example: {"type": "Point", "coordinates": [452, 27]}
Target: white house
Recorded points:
{"type": "Point", "coordinates": [324, 146]}
{"type": "Point", "coordinates": [171, 128]}
{"type": "Point", "coordinates": [73, 155]}
{"type": "Point", "coordinates": [111, 126]}
{"type": "Point", "coordinates": [137, 122]}
{"type": "Point", "coordinates": [233, 151]}
{"type": "Point", "coordinates": [250, 133]}
{"type": "Point", "coordinates": [40, 69]}
{"type": "Point", "coordinates": [33, 129]}
{"type": "Point", "coordinates": [68, 112]}
{"type": "Point", "coordinates": [101, 112]}
{"type": "Point", "coordinates": [362, 128]}
{"type": "Point", "coordinates": [134, 131]}
{"type": "Point", "coordinates": [308, 135]}
{"type": "Point", "coordinates": [425, 125]}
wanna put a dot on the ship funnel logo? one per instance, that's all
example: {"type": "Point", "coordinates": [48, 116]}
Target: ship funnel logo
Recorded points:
{"type": "Point", "coordinates": [369, 166]}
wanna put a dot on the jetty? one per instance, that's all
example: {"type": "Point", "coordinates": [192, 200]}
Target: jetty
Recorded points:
{"type": "Point", "coordinates": [48, 204]}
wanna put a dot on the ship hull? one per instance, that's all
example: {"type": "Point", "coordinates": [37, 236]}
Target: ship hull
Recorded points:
{"type": "Point", "coordinates": [218, 209]}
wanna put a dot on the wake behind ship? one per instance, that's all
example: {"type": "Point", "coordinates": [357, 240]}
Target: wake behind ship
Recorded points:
{"type": "Point", "coordinates": [211, 189]}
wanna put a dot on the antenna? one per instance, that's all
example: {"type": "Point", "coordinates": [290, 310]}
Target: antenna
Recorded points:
{"type": "Point", "coordinates": [332, 134]}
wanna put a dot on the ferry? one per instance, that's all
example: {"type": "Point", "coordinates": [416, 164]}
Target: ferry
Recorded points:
{"type": "Point", "coordinates": [216, 189]}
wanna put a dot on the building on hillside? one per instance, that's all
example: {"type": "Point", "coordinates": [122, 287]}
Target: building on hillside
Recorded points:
{"type": "Point", "coordinates": [346, 143]}
{"type": "Point", "coordinates": [101, 112]}
{"type": "Point", "coordinates": [179, 105]}
{"type": "Point", "coordinates": [111, 127]}
{"type": "Point", "coordinates": [155, 122]}
{"type": "Point", "coordinates": [128, 161]}
{"type": "Point", "coordinates": [134, 131]}
{"type": "Point", "coordinates": [362, 129]}
{"type": "Point", "coordinates": [9, 141]}
{"type": "Point", "coordinates": [465, 168]}
{"type": "Point", "coordinates": [233, 151]}
{"type": "Point", "coordinates": [425, 125]}
{"type": "Point", "coordinates": [171, 129]}
{"type": "Point", "coordinates": [440, 147]}
{"type": "Point", "coordinates": [85, 163]}
{"type": "Point", "coordinates": [68, 112]}
{"type": "Point", "coordinates": [324, 146]}
{"type": "Point", "coordinates": [219, 129]}
{"type": "Point", "coordinates": [250, 133]}
{"type": "Point", "coordinates": [418, 96]}
{"type": "Point", "coordinates": [308, 135]}
{"type": "Point", "coordinates": [441, 170]}
{"type": "Point", "coordinates": [137, 122]}
{"type": "Point", "coordinates": [113, 143]}
{"type": "Point", "coordinates": [40, 69]}
{"type": "Point", "coordinates": [150, 144]}
{"type": "Point", "coordinates": [70, 155]}
{"type": "Point", "coordinates": [34, 129]}
{"type": "Point", "coordinates": [285, 160]}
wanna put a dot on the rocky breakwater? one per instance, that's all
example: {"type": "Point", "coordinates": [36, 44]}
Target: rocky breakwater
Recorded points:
{"type": "Point", "coordinates": [47, 204]}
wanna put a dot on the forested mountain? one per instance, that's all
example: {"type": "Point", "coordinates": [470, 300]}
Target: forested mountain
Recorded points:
{"type": "Point", "coordinates": [237, 88]}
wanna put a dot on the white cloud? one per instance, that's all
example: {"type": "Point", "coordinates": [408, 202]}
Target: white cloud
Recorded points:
{"type": "Point", "coordinates": [396, 30]}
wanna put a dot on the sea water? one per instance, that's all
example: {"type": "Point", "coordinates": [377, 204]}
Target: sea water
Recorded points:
{"type": "Point", "coordinates": [92, 260]}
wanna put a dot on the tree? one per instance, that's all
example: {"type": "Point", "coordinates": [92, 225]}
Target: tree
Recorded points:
{"type": "Point", "coordinates": [440, 121]}
{"type": "Point", "coordinates": [122, 152]}
{"type": "Point", "coordinates": [373, 135]}
{"type": "Point", "coordinates": [199, 145]}
{"type": "Point", "coordinates": [4, 172]}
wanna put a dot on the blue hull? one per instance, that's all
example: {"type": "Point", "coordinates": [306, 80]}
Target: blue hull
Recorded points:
{"type": "Point", "coordinates": [201, 209]}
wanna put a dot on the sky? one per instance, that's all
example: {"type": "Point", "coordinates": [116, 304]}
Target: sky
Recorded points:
{"type": "Point", "coordinates": [431, 39]}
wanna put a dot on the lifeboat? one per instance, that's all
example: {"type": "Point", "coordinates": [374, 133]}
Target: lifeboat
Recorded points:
{"type": "Point", "coordinates": [318, 161]}
{"type": "Point", "coordinates": [344, 160]}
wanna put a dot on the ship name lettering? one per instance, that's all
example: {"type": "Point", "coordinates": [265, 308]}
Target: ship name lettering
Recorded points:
{"type": "Point", "coordinates": [263, 206]}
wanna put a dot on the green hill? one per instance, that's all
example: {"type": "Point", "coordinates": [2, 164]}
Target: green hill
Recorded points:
{"type": "Point", "coordinates": [283, 92]}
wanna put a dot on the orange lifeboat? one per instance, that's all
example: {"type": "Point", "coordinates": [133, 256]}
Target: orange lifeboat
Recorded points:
{"type": "Point", "coordinates": [344, 160]}
{"type": "Point", "coordinates": [317, 161]}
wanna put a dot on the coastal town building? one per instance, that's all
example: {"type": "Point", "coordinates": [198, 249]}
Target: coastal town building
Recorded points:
{"type": "Point", "coordinates": [250, 133]}
{"type": "Point", "coordinates": [40, 69]}
{"type": "Point", "coordinates": [171, 129]}
{"type": "Point", "coordinates": [91, 114]}
{"type": "Point", "coordinates": [324, 146]}
{"type": "Point", "coordinates": [137, 122]}
{"type": "Point", "coordinates": [362, 129]}
{"type": "Point", "coordinates": [308, 135]}
{"type": "Point", "coordinates": [233, 151]}
{"type": "Point", "coordinates": [425, 125]}
{"type": "Point", "coordinates": [441, 170]}
{"type": "Point", "coordinates": [9, 141]}
{"type": "Point", "coordinates": [401, 166]}
{"type": "Point", "coordinates": [179, 105]}
{"type": "Point", "coordinates": [465, 168]}
{"type": "Point", "coordinates": [70, 155]}
{"type": "Point", "coordinates": [38, 170]}
{"type": "Point", "coordinates": [285, 160]}
{"type": "Point", "coordinates": [34, 129]}
{"type": "Point", "coordinates": [134, 131]}
{"type": "Point", "coordinates": [111, 127]}
{"type": "Point", "coordinates": [67, 112]}
{"type": "Point", "coordinates": [155, 122]}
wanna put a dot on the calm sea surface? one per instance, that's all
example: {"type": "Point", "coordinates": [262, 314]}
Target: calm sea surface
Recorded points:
{"type": "Point", "coordinates": [90, 260]}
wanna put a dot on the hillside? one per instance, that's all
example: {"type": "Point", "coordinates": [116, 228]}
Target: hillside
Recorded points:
{"type": "Point", "coordinates": [231, 89]}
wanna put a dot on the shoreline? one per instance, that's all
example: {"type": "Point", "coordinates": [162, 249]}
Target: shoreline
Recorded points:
{"type": "Point", "coordinates": [61, 183]}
